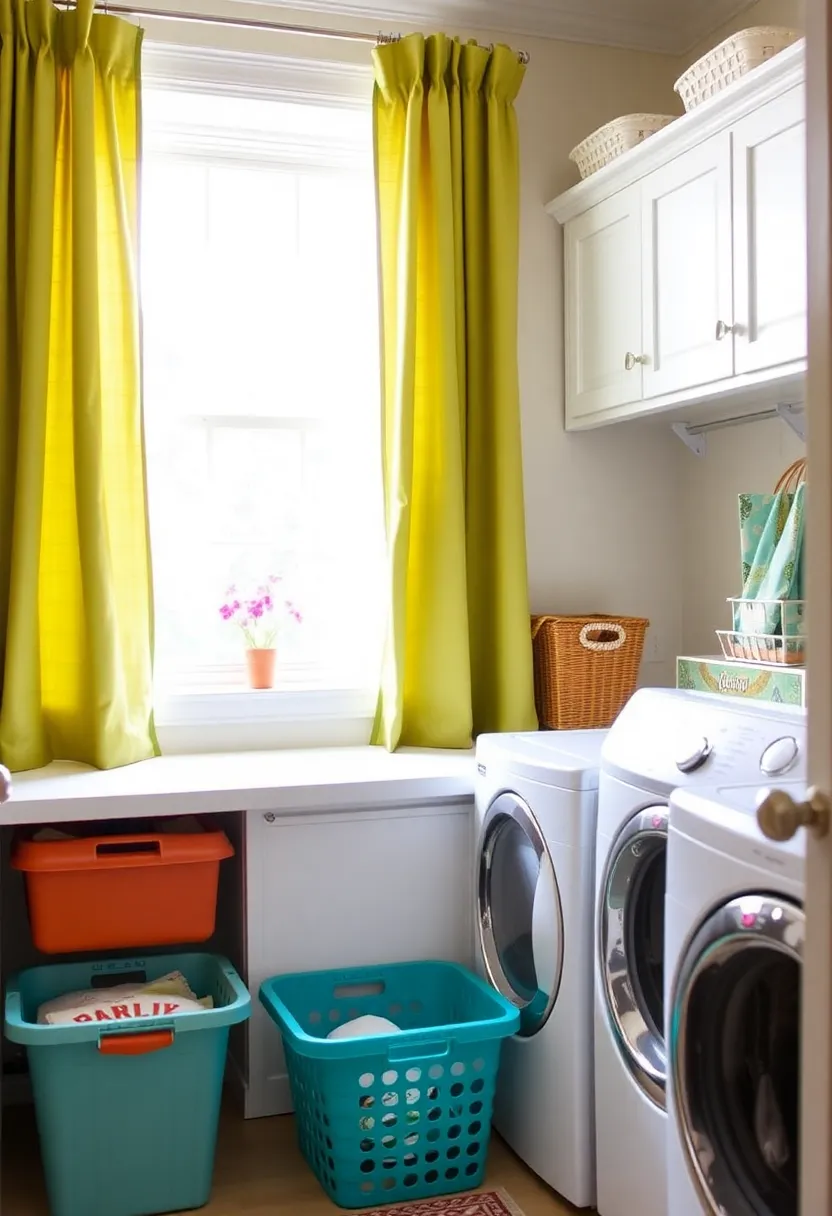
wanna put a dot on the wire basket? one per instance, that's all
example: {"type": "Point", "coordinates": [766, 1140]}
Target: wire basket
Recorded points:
{"type": "Point", "coordinates": [759, 616]}
{"type": "Point", "coordinates": [765, 631]}
{"type": "Point", "coordinates": [615, 137]}
{"type": "Point", "coordinates": [730, 60]}
{"type": "Point", "coordinates": [585, 668]}
{"type": "Point", "coordinates": [762, 647]}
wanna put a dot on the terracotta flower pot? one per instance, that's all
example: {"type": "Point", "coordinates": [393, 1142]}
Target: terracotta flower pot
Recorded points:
{"type": "Point", "coordinates": [260, 663]}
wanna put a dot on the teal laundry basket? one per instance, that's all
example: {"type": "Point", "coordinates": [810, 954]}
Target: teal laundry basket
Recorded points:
{"type": "Point", "coordinates": [126, 1134]}
{"type": "Point", "coordinates": [398, 1116]}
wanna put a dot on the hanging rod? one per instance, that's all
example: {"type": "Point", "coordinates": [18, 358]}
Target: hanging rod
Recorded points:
{"type": "Point", "coordinates": [692, 436]}
{"type": "Point", "coordinates": [249, 23]}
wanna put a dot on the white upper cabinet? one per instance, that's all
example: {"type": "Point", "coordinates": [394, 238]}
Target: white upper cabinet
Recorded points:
{"type": "Point", "coordinates": [769, 150]}
{"type": "Point", "coordinates": [602, 268]}
{"type": "Point", "coordinates": [685, 259]}
{"type": "Point", "coordinates": [686, 238]}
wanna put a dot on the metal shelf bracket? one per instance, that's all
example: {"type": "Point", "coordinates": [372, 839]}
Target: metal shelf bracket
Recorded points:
{"type": "Point", "coordinates": [693, 436]}
{"type": "Point", "coordinates": [794, 417]}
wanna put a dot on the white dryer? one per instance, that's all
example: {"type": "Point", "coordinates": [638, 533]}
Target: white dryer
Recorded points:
{"type": "Point", "coordinates": [663, 738]}
{"type": "Point", "coordinates": [536, 799]}
{"type": "Point", "coordinates": [734, 945]}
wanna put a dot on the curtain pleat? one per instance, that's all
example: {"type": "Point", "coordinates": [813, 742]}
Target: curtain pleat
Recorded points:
{"type": "Point", "coordinates": [75, 577]}
{"type": "Point", "coordinates": [458, 655]}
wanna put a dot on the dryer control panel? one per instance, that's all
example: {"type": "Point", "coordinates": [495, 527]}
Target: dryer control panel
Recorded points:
{"type": "Point", "coordinates": [667, 738]}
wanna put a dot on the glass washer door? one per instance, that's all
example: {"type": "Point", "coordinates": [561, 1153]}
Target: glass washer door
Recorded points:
{"type": "Point", "coordinates": [631, 947]}
{"type": "Point", "coordinates": [520, 917]}
{"type": "Point", "coordinates": [736, 991]}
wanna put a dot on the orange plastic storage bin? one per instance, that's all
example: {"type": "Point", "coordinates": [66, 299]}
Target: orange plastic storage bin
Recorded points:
{"type": "Point", "coordinates": [114, 892]}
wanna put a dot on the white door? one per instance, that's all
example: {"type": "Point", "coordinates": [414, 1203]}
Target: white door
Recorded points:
{"type": "Point", "coordinates": [686, 242]}
{"type": "Point", "coordinates": [769, 148]}
{"type": "Point", "coordinates": [816, 1105]}
{"type": "Point", "coordinates": [602, 275]}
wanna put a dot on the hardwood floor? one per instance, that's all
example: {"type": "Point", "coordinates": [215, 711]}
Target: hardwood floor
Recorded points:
{"type": "Point", "coordinates": [259, 1172]}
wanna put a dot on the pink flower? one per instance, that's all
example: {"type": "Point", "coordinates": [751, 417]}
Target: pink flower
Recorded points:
{"type": "Point", "coordinates": [254, 615]}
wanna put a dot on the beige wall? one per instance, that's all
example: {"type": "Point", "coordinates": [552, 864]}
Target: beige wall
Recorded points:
{"type": "Point", "coordinates": [744, 459]}
{"type": "Point", "coordinates": [603, 513]}
{"type": "Point", "coordinates": [623, 519]}
{"type": "Point", "coordinates": [602, 509]}
{"type": "Point", "coordinates": [764, 12]}
{"type": "Point", "coordinates": [747, 458]}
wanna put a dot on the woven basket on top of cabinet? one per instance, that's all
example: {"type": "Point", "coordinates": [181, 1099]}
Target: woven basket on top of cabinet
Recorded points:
{"type": "Point", "coordinates": [585, 668]}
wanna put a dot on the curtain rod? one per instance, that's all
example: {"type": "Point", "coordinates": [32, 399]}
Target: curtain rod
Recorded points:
{"type": "Point", "coordinates": [252, 23]}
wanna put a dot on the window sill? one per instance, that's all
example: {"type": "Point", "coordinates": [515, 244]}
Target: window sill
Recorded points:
{"type": "Point", "coordinates": [234, 718]}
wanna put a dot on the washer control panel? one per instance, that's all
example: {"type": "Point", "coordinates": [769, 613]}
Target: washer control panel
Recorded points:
{"type": "Point", "coordinates": [666, 738]}
{"type": "Point", "coordinates": [693, 755]}
{"type": "Point", "coordinates": [779, 756]}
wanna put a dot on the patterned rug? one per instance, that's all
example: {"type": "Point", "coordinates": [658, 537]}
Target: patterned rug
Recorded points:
{"type": "Point", "coordinates": [488, 1203]}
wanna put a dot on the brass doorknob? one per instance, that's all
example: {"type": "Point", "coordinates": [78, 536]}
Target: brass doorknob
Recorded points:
{"type": "Point", "coordinates": [779, 816]}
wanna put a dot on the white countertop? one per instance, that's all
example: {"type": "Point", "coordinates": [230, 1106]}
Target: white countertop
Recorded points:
{"type": "Point", "coordinates": [324, 779]}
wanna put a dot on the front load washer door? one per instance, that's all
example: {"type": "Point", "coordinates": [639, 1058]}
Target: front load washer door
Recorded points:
{"type": "Point", "coordinates": [520, 916]}
{"type": "Point", "coordinates": [631, 947]}
{"type": "Point", "coordinates": [735, 1056]}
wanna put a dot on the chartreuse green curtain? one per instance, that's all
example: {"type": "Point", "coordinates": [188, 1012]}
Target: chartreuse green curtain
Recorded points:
{"type": "Point", "coordinates": [75, 584]}
{"type": "Point", "coordinates": [458, 656]}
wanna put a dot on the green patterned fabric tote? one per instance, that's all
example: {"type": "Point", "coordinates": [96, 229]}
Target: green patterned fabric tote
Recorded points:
{"type": "Point", "coordinates": [771, 542]}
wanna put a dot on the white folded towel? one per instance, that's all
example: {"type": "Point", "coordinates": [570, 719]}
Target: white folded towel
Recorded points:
{"type": "Point", "coordinates": [362, 1027]}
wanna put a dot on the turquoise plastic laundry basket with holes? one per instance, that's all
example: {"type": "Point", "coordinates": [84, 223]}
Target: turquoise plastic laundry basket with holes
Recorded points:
{"type": "Point", "coordinates": [127, 1112]}
{"type": "Point", "coordinates": [398, 1116]}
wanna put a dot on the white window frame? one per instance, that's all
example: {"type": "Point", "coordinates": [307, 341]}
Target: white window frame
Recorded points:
{"type": "Point", "coordinates": [214, 713]}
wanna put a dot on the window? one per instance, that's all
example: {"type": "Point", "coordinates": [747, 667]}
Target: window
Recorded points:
{"type": "Point", "coordinates": [261, 381]}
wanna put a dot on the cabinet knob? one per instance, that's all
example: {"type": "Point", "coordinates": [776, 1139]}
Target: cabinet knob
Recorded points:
{"type": "Point", "coordinates": [779, 816]}
{"type": "Point", "coordinates": [722, 330]}
{"type": "Point", "coordinates": [630, 360]}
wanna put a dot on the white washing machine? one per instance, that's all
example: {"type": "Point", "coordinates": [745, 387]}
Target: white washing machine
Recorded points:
{"type": "Point", "coordinates": [734, 945]}
{"type": "Point", "coordinates": [536, 800]}
{"type": "Point", "coordinates": [663, 738]}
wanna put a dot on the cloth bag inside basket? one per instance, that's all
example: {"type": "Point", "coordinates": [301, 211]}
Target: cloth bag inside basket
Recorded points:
{"type": "Point", "coordinates": [771, 543]}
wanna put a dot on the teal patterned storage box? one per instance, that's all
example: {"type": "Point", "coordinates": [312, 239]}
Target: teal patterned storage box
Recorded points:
{"type": "Point", "coordinates": [127, 1111]}
{"type": "Point", "coordinates": [779, 683]}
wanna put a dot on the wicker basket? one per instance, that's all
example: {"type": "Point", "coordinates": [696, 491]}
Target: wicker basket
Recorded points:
{"type": "Point", "coordinates": [618, 136]}
{"type": "Point", "coordinates": [733, 58]}
{"type": "Point", "coordinates": [585, 668]}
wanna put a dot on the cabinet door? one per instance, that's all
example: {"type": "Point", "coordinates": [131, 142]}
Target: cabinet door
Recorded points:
{"type": "Point", "coordinates": [770, 234]}
{"type": "Point", "coordinates": [348, 889]}
{"type": "Point", "coordinates": [686, 238]}
{"type": "Point", "coordinates": [602, 266]}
